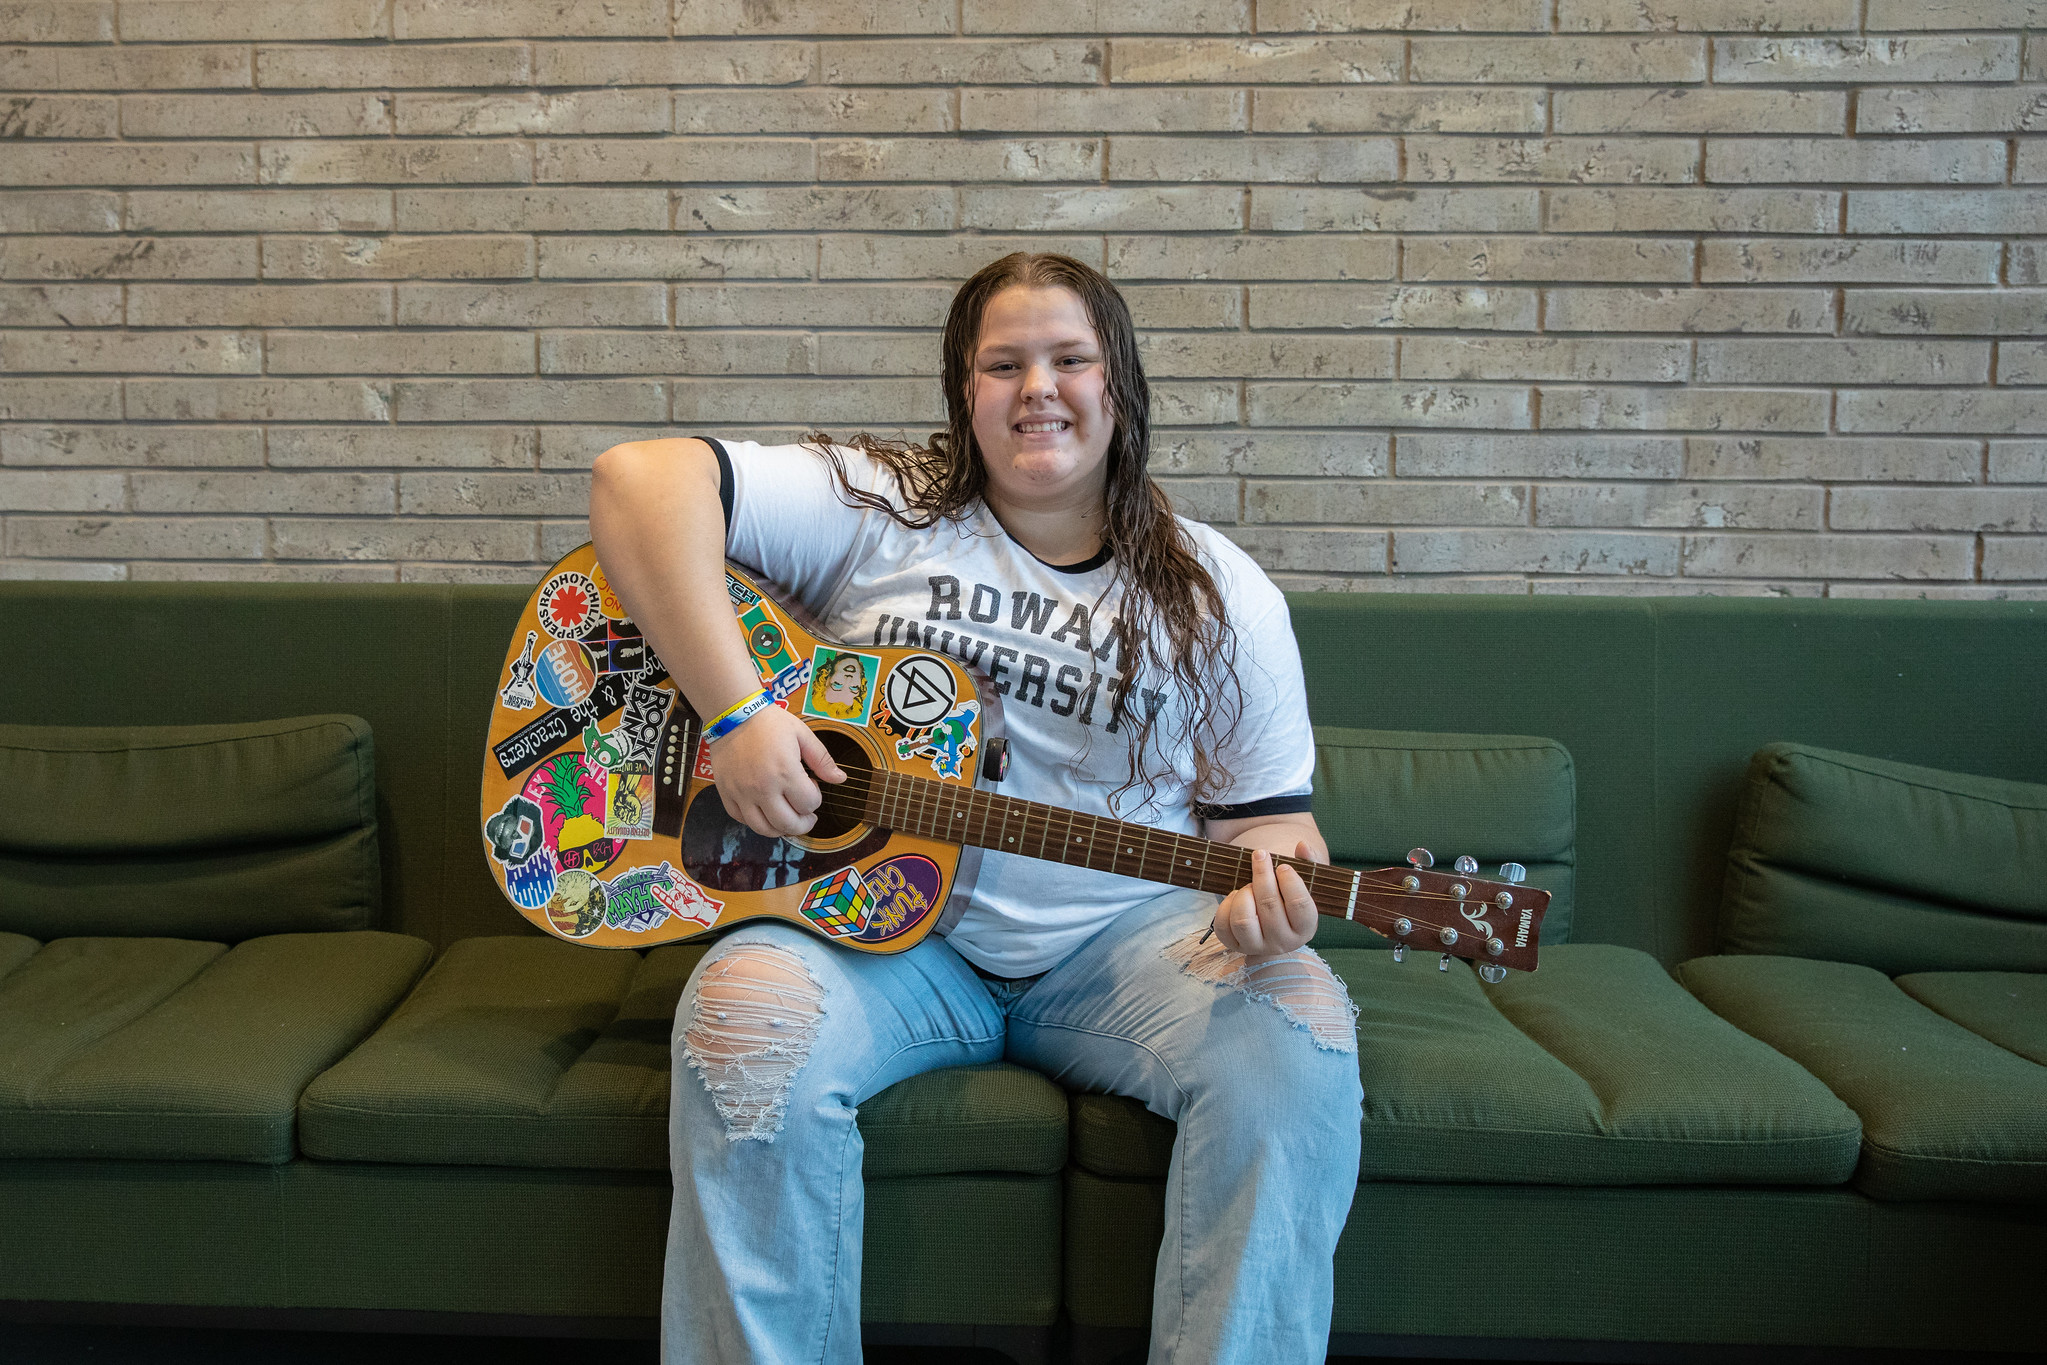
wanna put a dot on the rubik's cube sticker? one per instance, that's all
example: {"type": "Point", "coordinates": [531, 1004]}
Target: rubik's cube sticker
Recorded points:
{"type": "Point", "coordinates": [838, 905]}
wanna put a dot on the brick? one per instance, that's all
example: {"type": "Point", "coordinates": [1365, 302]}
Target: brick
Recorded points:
{"type": "Point", "coordinates": [2014, 559]}
{"type": "Point", "coordinates": [874, 403]}
{"type": "Point", "coordinates": [463, 352]}
{"type": "Point", "coordinates": [57, 21]}
{"type": "Point", "coordinates": [267, 490]}
{"type": "Point", "coordinates": [1861, 261]}
{"type": "Point", "coordinates": [1189, 306]}
{"type": "Point", "coordinates": [2030, 165]}
{"type": "Point", "coordinates": [261, 573]}
{"type": "Point", "coordinates": [1345, 16]}
{"type": "Point", "coordinates": [60, 305]}
{"type": "Point", "coordinates": [1317, 160]}
{"type": "Point", "coordinates": [136, 537]}
{"type": "Point", "coordinates": [130, 444]}
{"type": "Point", "coordinates": [1844, 362]}
{"type": "Point", "coordinates": [1546, 258]}
{"type": "Point", "coordinates": [533, 112]}
{"type": "Point", "coordinates": [126, 258]}
{"type": "Point", "coordinates": [266, 210]}
{"type": "Point", "coordinates": [532, 305]}
{"type": "Point", "coordinates": [1171, 354]}
{"type": "Point", "coordinates": [1831, 459]}
{"type": "Point", "coordinates": [1937, 212]}
{"type": "Point", "coordinates": [418, 447]}
{"type": "Point", "coordinates": [1769, 16]}
{"type": "Point", "coordinates": [1772, 160]}
{"type": "Point", "coordinates": [2020, 363]}
{"type": "Point", "coordinates": [1692, 210]}
{"type": "Point", "coordinates": [1240, 61]}
{"type": "Point", "coordinates": [131, 352]}
{"type": "Point", "coordinates": [349, 114]}
{"type": "Point", "coordinates": [1385, 503]}
{"type": "Point", "coordinates": [1681, 506]}
{"type": "Point", "coordinates": [259, 400]}
{"type": "Point", "coordinates": [60, 211]}
{"type": "Point", "coordinates": [121, 163]}
{"type": "Point", "coordinates": [578, 446]}
{"type": "Point", "coordinates": [691, 353]}
{"type": "Point", "coordinates": [661, 62]}
{"type": "Point", "coordinates": [833, 208]}
{"type": "Point", "coordinates": [2025, 262]}
{"type": "Point", "coordinates": [1197, 208]}
{"type": "Point", "coordinates": [1290, 209]}
{"type": "Point", "coordinates": [1396, 404]}
{"type": "Point", "coordinates": [1559, 61]}
{"type": "Point", "coordinates": [1037, 110]}
{"type": "Point", "coordinates": [1953, 109]}
{"type": "Point", "coordinates": [125, 68]}
{"type": "Point", "coordinates": [1567, 160]}
{"type": "Point", "coordinates": [1194, 403]}
{"type": "Point", "coordinates": [1250, 258]}
{"type": "Point", "coordinates": [1629, 409]}
{"type": "Point", "coordinates": [863, 354]}
{"type": "Point", "coordinates": [674, 160]}
{"type": "Point", "coordinates": [1667, 587]}
{"type": "Point", "coordinates": [1623, 360]}
{"type": "Point", "coordinates": [1941, 312]}
{"type": "Point", "coordinates": [60, 400]}
{"type": "Point", "coordinates": [1059, 61]}
{"type": "Point", "coordinates": [1309, 551]}
{"type": "Point", "coordinates": [837, 110]}
{"type": "Point", "coordinates": [233, 21]}
{"type": "Point", "coordinates": [491, 494]}
{"type": "Point", "coordinates": [58, 570]}
{"type": "Point", "coordinates": [528, 400]}
{"type": "Point", "coordinates": [1213, 501]}
{"type": "Point", "coordinates": [63, 490]}
{"type": "Point", "coordinates": [396, 258]}
{"type": "Point", "coordinates": [1399, 109]}
{"type": "Point", "coordinates": [1529, 455]}
{"type": "Point", "coordinates": [32, 116]}
{"type": "Point", "coordinates": [1343, 454]}
{"type": "Point", "coordinates": [1115, 16]}
{"type": "Point", "coordinates": [1780, 61]}
{"type": "Point", "coordinates": [938, 258]}
{"type": "Point", "coordinates": [438, 163]}
{"type": "Point", "coordinates": [467, 540]}
{"type": "Point", "coordinates": [582, 209]}
{"type": "Point", "coordinates": [1823, 556]}
{"type": "Point", "coordinates": [951, 160]}
{"type": "Point", "coordinates": [1991, 412]}
{"type": "Point", "coordinates": [676, 257]}
{"type": "Point", "coordinates": [1635, 109]}
{"type": "Point", "coordinates": [421, 19]}
{"type": "Point", "coordinates": [381, 67]}
{"type": "Point", "coordinates": [725, 18]}
{"type": "Point", "coordinates": [1522, 550]}
{"type": "Point", "coordinates": [1939, 509]}
{"type": "Point", "coordinates": [1432, 306]}
{"type": "Point", "coordinates": [470, 573]}
{"type": "Point", "coordinates": [1689, 310]}
{"type": "Point", "coordinates": [259, 305]}
{"type": "Point", "coordinates": [1936, 14]}
{"type": "Point", "coordinates": [2011, 461]}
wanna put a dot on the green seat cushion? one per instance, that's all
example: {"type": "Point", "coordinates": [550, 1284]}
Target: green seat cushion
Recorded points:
{"type": "Point", "coordinates": [217, 832]}
{"type": "Point", "coordinates": [1896, 867]}
{"type": "Point", "coordinates": [2008, 1008]}
{"type": "Point", "coordinates": [15, 949]}
{"type": "Point", "coordinates": [1596, 1069]}
{"type": "Point", "coordinates": [525, 1051]}
{"type": "Point", "coordinates": [180, 1050]}
{"type": "Point", "coordinates": [1499, 798]}
{"type": "Point", "coordinates": [1947, 1113]}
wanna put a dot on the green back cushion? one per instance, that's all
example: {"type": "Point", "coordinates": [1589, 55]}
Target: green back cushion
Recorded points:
{"type": "Point", "coordinates": [1888, 865]}
{"type": "Point", "coordinates": [220, 832]}
{"type": "Point", "coordinates": [1500, 798]}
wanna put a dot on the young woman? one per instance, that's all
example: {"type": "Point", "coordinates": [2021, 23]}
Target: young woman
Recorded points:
{"type": "Point", "coordinates": [1148, 671]}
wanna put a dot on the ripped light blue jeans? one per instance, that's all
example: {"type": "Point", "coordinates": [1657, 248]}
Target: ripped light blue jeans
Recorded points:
{"type": "Point", "coordinates": [781, 1036]}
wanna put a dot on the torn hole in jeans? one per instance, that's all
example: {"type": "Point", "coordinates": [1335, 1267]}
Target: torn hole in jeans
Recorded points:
{"type": "Point", "coordinates": [1298, 984]}
{"type": "Point", "coordinates": [756, 1014]}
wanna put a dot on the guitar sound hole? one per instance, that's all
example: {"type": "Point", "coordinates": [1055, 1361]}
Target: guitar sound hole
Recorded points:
{"type": "Point", "coordinates": [720, 853]}
{"type": "Point", "coordinates": [840, 812]}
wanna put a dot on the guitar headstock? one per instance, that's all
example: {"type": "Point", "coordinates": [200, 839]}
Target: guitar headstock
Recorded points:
{"type": "Point", "coordinates": [1495, 923]}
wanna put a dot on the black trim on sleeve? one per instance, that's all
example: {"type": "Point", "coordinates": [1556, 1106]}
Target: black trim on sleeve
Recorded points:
{"type": "Point", "coordinates": [724, 476]}
{"type": "Point", "coordinates": [1271, 805]}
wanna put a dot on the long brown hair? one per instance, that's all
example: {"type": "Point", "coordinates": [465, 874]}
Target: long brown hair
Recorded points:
{"type": "Point", "coordinates": [1173, 621]}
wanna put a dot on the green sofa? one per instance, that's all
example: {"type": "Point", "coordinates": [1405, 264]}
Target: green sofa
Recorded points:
{"type": "Point", "coordinates": [272, 1048]}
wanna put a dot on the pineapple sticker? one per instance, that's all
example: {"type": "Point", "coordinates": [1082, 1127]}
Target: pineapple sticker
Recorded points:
{"type": "Point", "coordinates": [569, 790]}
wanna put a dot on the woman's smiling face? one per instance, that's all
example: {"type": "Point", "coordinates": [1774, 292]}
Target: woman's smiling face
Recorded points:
{"type": "Point", "coordinates": [1041, 401]}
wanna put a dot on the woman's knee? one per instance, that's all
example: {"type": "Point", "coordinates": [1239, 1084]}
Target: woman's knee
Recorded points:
{"type": "Point", "coordinates": [751, 1021]}
{"type": "Point", "coordinates": [1298, 984]}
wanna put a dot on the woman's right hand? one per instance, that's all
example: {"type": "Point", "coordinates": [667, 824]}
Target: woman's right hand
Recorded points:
{"type": "Point", "coordinates": [764, 773]}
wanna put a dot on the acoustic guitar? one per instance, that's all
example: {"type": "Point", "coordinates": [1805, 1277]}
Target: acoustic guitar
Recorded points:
{"type": "Point", "coordinates": [602, 823]}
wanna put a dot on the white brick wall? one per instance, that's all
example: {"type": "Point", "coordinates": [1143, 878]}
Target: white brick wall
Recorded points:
{"type": "Point", "coordinates": [1728, 296]}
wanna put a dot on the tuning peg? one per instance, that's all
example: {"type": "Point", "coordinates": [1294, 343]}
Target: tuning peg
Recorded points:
{"type": "Point", "coordinates": [1466, 866]}
{"type": "Point", "coordinates": [1421, 858]}
{"type": "Point", "coordinates": [1444, 965]}
{"type": "Point", "coordinates": [1492, 973]}
{"type": "Point", "coordinates": [1400, 952]}
{"type": "Point", "coordinates": [1513, 872]}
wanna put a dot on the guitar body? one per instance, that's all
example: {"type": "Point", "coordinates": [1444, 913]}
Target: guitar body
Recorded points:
{"type": "Point", "coordinates": [600, 814]}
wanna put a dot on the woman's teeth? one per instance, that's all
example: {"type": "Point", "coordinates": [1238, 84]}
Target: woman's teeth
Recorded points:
{"type": "Point", "coordinates": [1042, 426]}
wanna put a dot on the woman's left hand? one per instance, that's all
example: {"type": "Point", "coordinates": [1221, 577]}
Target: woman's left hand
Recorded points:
{"type": "Point", "coordinates": [1271, 915]}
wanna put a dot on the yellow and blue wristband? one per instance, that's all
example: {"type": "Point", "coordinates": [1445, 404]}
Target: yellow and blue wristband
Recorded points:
{"type": "Point", "coordinates": [736, 715]}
